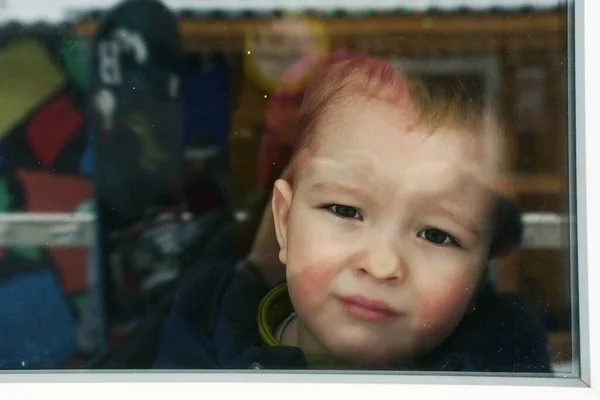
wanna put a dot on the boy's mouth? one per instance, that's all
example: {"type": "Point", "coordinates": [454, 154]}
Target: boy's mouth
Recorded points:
{"type": "Point", "coordinates": [368, 309]}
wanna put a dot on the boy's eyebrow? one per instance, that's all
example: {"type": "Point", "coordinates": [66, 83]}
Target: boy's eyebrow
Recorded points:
{"type": "Point", "coordinates": [468, 223]}
{"type": "Point", "coordinates": [336, 189]}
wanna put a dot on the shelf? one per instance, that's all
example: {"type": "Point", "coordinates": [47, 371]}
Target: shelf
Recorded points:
{"type": "Point", "coordinates": [542, 230]}
{"type": "Point", "coordinates": [533, 185]}
{"type": "Point", "coordinates": [52, 229]}
{"type": "Point", "coordinates": [545, 231]}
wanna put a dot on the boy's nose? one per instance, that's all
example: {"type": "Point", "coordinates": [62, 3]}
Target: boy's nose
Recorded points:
{"type": "Point", "coordinates": [383, 261]}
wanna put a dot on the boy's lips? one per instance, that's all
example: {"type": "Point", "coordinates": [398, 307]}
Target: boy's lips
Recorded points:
{"type": "Point", "coordinates": [367, 308]}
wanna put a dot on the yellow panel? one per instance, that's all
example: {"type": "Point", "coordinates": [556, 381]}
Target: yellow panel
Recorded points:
{"type": "Point", "coordinates": [27, 79]}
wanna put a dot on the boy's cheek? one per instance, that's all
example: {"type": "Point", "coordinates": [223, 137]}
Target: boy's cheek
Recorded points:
{"type": "Point", "coordinates": [441, 306]}
{"type": "Point", "coordinates": [309, 286]}
{"type": "Point", "coordinates": [311, 290]}
{"type": "Point", "coordinates": [312, 265]}
{"type": "Point", "coordinates": [313, 245]}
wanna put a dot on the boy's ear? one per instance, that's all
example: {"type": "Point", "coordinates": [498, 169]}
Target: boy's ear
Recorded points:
{"type": "Point", "coordinates": [281, 203]}
{"type": "Point", "coordinates": [508, 228]}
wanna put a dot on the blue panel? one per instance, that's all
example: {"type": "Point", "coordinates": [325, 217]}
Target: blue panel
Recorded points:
{"type": "Point", "coordinates": [206, 105]}
{"type": "Point", "coordinates": [37, 327]}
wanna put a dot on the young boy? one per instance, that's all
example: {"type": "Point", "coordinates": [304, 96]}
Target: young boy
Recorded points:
{"type": "Point", "coordinates": [386, 226]}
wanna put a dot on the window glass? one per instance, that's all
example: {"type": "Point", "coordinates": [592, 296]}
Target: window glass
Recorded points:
{"type": "Point", "coordinates": [349, 186]}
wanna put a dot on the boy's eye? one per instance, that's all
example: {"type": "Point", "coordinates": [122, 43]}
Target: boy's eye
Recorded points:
{"type": "Point", "coordinates": [438, 237]}
{"type": "Point", "coordinates": [345, 211]}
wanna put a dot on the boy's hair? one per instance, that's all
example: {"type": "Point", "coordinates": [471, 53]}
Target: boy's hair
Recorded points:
{"type": "Point", "coordinates": [430, 102]}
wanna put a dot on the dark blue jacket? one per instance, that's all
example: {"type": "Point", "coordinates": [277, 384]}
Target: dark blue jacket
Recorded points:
{"type": "Point", "coordinates": [212, 325]}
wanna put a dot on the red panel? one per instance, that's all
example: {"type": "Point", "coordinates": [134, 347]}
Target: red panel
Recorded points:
{"type": "Point", "coordinates": [51, 128]}
{"type": "Point", "coordinates": [71, 265]}
{"type": "Point", "coordinates": [51, 192]}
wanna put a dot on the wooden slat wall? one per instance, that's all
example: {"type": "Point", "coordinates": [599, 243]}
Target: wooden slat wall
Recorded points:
{"type": "Point", "coordinates": [407, 25]}
{"type": "Point", "coordinates": [485, 33]}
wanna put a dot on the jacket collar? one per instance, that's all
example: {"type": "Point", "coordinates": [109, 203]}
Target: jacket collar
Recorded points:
{"type": "Point", "coordinates": [230, 317]}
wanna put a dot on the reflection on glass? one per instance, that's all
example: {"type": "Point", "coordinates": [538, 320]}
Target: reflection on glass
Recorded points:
{"type": "Point", "coordinates": [324, 189]}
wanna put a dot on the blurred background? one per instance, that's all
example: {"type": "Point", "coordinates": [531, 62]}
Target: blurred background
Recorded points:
{"type": "Point", "coordinates": [237, 57]}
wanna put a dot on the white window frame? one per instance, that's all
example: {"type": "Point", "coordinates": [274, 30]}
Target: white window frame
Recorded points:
{"type": "Point", "coordinates": [308, 385]}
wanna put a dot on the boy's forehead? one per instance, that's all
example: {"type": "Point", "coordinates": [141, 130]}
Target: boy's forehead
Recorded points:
{"type": "Point", "coordinates": [372, 175]}
{"type": "Point", "coordinates": [374, 137]}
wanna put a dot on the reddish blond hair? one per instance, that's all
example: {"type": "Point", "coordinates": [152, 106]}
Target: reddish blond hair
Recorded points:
{"type": "Point", "coordinates": [430, 103]}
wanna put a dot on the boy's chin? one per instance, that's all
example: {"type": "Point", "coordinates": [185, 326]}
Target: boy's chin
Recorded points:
{"type": "Point", "coordinates": [368, 356]}
{"type": "Point", "coordinates": [370, 361]}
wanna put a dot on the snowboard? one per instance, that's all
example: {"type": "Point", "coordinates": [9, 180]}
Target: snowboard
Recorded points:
{"type": "Point", "coordinates": [135, 113]}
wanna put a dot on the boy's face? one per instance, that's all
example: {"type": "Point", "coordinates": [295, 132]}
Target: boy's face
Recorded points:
{"type": "Point", "coordinates": [385, 234]}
